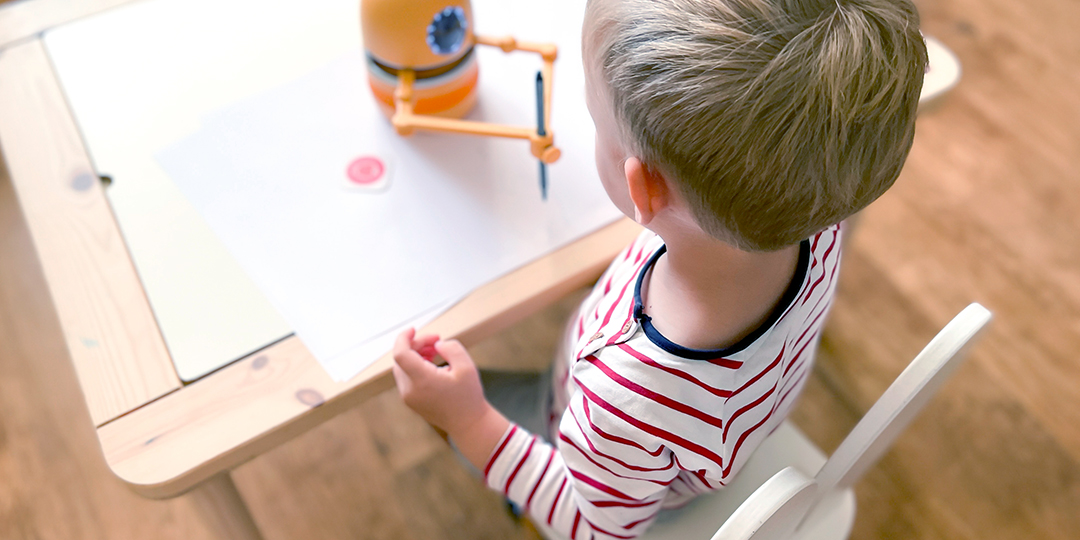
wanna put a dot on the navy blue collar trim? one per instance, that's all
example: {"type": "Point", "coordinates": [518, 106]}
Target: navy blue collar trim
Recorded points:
{"type": "Point", "coordinates": [664, 343]}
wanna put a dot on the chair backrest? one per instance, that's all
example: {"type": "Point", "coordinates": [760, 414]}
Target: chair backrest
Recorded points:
{"type": "Point", "coordinates": [773, 511]}
{"type": "Point", "coordinates": [779, 507]}
{"type": "Point", "coordinates": [904, 398]}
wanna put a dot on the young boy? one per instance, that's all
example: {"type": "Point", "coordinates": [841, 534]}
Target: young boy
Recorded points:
{"type": "Point", "coordinates": [740, 133]}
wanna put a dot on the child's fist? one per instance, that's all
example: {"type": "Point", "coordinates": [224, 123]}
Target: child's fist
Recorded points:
{"type": "Point", "coordinates": [450, 397]}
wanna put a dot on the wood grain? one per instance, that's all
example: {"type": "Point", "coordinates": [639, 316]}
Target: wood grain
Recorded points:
{"type": "Point", "coordinates": [373, 479]}
{"type": "Point", "coordinates": [221, 506]}
{"type": "Point", "coordinates": [108, 326]}
{"type": "Point", "coordinates": [54, 483]}
{"type": "Point", "coordinates": [259, 402]}
{"type": "Point", "coordinates": [1010, 143]}
{"type": "Point", "coordinates": [986, 210]}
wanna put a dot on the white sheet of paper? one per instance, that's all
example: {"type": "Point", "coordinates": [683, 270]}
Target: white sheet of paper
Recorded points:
{"type": "Point", "coordinates": [346, 268]}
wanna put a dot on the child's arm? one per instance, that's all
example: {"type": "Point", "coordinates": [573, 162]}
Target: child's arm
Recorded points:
{"type": "Point", "coordinates": [596, 485]}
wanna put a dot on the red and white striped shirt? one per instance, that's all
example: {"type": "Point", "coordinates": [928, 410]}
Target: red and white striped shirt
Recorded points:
{"type": "Point", "coordinates": [644, 423]}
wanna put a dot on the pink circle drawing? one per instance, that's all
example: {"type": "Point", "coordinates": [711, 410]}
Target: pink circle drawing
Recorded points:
{"type": "Point", "coordinates": [366, 170]}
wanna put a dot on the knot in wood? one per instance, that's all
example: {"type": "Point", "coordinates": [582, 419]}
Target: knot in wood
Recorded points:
{"type": "Point", "coordinates": [309, 397]}
{"type": "Point", "coordinates": [260, 362]}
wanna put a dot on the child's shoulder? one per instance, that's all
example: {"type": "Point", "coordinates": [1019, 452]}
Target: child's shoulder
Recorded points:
{"type": "Point", "coordinates": [645, 245]}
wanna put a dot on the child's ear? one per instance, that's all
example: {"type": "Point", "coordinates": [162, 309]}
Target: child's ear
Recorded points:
{"type": "Point", "coordinates": [648, 190]}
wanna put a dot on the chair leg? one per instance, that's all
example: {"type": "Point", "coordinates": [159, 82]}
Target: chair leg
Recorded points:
{"type": "Point", "coordinates": [223, 509]}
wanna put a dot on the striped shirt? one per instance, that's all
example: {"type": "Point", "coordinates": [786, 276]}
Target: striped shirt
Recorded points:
{"type": "Point", "coordinates": [641, 423]}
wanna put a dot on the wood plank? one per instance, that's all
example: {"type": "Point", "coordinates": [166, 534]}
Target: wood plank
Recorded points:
{"type": "Point", "coordinates": [23, 19]}
{"type": "Point", "coordinates": [54, 483]}
{"type": "Point", "coordinates": [346, 479]}
{"type": "Point", "coordinates": [223, 508]}
{"type": "Point", "coordinates": [974, 465]}
{"type": "Point", "coordinates": [987, 195]}
{"type": "Point", "coordinates": [261, 401]}
{"type": "Point", "coordinates": [986, 210]}
{"type": "Point", "coordinates": [108, 326]}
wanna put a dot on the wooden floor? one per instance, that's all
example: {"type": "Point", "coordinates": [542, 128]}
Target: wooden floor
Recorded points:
{"type": "Point", "coordinates": [988, 210]}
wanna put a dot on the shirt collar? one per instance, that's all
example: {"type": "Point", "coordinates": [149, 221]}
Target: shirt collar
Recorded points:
{"type": "Point", "coordinates": [658, 339]}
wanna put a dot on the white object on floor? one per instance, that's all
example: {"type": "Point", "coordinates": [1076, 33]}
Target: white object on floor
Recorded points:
{"type": "Point", "coordinates": [942, 73]}
{"type": "Point", "coordinates": [788, 490]}
{"type": "Point", "coordinates": [256, 115]}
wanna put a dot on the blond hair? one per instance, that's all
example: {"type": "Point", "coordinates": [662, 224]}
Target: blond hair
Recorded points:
{"type": "Point", "coordinates": [774, 118]}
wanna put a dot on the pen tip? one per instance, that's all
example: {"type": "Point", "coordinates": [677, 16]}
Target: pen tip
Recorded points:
{"type": "Point", "coordinates": [543, 181]}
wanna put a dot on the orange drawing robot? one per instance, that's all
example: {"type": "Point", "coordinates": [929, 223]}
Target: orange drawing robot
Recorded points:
{"type": "Point", "coordinates": [423, 71]}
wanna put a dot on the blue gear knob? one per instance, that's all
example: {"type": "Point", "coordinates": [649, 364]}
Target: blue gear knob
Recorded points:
{"type": "Point", "coordinates": [446, 33]}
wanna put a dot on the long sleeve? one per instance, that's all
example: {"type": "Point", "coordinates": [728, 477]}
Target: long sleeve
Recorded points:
{"type": "Point", "coordinates": [596, 483]}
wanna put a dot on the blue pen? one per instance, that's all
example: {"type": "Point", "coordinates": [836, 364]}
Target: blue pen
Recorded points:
{"type": "Point", "coordinates": [541, 130]}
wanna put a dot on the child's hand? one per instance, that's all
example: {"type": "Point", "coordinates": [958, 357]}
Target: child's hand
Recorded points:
{"type": "Point", "coordinates": [449, 397]}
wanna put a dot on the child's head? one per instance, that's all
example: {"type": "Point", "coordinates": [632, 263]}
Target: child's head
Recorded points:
{"type": "Point", "coordinates": [772, 118]}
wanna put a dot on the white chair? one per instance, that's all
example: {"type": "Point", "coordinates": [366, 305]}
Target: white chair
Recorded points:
{"type": "Point", "coordinates": [788, 489]}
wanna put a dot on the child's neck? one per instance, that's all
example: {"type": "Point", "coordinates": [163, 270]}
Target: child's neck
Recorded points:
{"type": "Point", "coordinates": [706, 294]}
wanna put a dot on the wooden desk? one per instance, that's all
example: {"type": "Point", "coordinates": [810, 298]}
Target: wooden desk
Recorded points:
{"type": "Point", "coordinates": [159, 436]}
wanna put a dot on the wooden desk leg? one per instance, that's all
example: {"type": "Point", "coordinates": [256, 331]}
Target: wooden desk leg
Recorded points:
{"type": "Point", "coordinates": [220, 503]}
